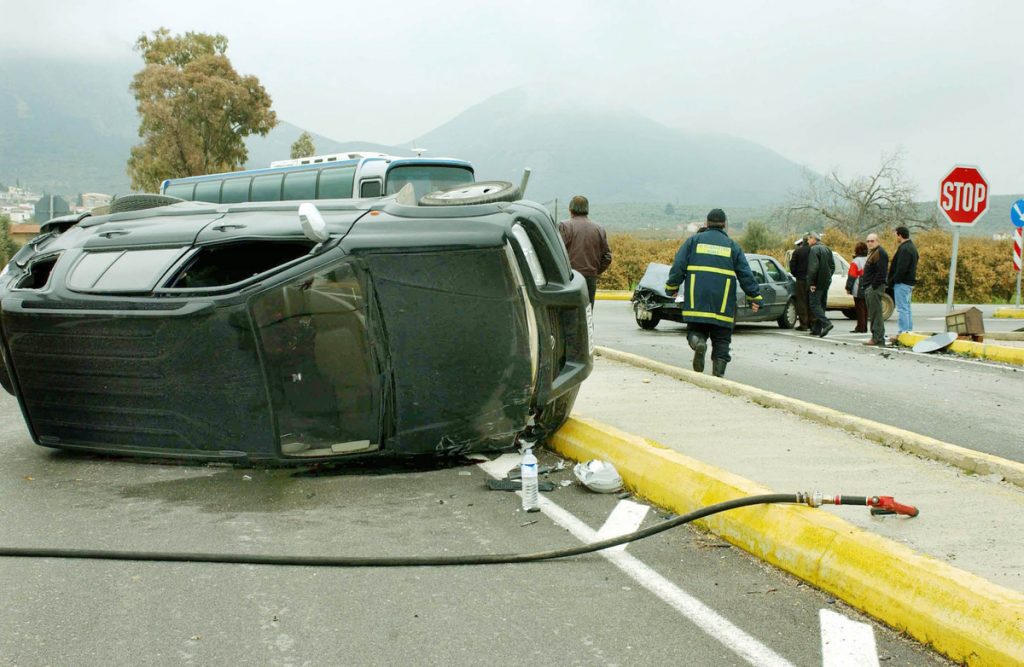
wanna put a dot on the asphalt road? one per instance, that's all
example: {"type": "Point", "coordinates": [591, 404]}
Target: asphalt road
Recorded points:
{"type": "Point", "coordinates": [681, 597]}
{"type": "Point", "coordinates": [970, 403]}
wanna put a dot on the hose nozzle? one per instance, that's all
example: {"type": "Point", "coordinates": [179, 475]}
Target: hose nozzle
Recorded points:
{"type": "Point", "coordinates": [880, 505]}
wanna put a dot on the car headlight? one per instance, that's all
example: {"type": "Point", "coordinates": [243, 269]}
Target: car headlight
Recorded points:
{"type": "Point", "coordinates": [530, 253]}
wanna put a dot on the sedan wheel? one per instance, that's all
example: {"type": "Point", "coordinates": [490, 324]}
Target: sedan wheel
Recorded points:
{"type": "Point", "coordinates": [888, 306]}
{"type": "Point", "coordinates": [788, 318]}
{"type": "Point", "coordinates": [647, 323]}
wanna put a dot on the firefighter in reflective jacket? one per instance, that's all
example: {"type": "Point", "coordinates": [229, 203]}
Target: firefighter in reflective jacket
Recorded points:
{"type": "Point", "coordinates": [710, 263]}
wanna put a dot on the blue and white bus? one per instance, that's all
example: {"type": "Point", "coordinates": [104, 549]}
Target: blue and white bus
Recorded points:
{"type": "Point", "coordinates": [335, 176]}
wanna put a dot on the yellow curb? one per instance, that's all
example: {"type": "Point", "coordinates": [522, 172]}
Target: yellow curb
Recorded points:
{"type": "Point", "coordinates": [1010, 313]}
{"type": "Point", "coordinates": [960, 614]}
{"type": "Point", "coordinates": [1001, 353]}
{"type": "Point", "coordinates": [969, 460]}
{"type": "Point", "coordinates": [613, 295]}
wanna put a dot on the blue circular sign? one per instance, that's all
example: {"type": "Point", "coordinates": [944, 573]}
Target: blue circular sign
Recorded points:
{"type": "Point", "coordinates": [1017, 213]}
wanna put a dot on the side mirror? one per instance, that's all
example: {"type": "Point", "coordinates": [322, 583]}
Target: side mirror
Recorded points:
{"type": "Point", "coordinates": [313, 224]}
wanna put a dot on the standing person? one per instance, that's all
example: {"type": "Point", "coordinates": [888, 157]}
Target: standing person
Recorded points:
{"type": "Point", "coordinates": [902, 278]}
{"type": "Point", "coordinates": [820, 267]}
{"type": "Point", "coordinates": [876, 267]}
{"type": "Point", "coordinates": [586, 242]}
{"type": "Point", "coordinates": [798, 267]}
{"type": "Point", "coordinates": [710, 262]}
{"type": "Point", "coordinates": [860, 255]}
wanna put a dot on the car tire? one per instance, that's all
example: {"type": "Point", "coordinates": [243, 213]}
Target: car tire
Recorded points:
{"type": "Point", "coordinates": [788, 318]}
{"type": "Point", "coordinates": [141, 202]}
{"type": "Point", "coordinates": [482, 192]}
{"type": "Point", "coordinates": [888, 306]}
{"type": "Point", "coordinates": [646, 325]}
{"type": "Point", "coordinates": [850, 313]}
{"type": "Point", "coordinates": [556, 412]}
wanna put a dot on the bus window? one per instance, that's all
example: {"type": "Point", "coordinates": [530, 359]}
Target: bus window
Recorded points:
{"type": "Point", "coordinates": [370, 188]}
{"type": "Point", "coordinates": [208, 191]}
{"type": "Point", "coordinates": [336, 183]}
{"type": "Point", "coordinates": [267, 188]}
{"type": "Point", "coordinates": [235, 190]}
{"type": "Point", "coordinates": [300, 185]}
{"type": "Point", "coordinates": [181, 190]}
{"type": "Point", "coordinates": [427, 178]}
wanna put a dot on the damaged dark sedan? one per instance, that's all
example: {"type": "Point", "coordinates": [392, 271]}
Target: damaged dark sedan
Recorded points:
{"type": "Point", "coordinates": [287, 331]}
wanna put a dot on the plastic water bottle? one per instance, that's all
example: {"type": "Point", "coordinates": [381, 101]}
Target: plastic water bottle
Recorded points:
{"type": "Point", "coordinates": [529, 477]}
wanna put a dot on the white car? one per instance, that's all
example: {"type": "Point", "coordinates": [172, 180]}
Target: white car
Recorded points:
{"type": "Point", "coordinates": [838, 299]}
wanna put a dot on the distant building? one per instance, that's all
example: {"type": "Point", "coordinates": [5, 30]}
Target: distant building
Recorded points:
{"type": "Point", "coordinates": [50, 206]}
{"type": "Point", "coordinates": [91, 200]}
{"type": "Point", "coordinates": [22, 233]}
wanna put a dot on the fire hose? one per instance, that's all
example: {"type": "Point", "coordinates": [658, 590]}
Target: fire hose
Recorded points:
{"type": "Point", "coordinates": [878, 505]}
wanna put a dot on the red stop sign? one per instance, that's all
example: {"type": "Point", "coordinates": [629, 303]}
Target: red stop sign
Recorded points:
{"type": "Point", "coordinates": [963, 195]}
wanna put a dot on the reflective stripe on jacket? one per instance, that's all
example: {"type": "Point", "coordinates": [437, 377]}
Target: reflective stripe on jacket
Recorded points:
{"type": "Point", "coordinates": [710, 263]}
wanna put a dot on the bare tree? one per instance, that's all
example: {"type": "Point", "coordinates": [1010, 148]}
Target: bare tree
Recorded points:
{"type": "Point", "coordinates": [861, 204]}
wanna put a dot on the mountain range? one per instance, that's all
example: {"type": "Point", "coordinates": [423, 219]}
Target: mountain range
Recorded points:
{"type": "Point", "coordinates": [67, 127]}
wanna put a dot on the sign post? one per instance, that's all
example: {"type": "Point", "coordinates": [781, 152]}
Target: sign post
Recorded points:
{"type": "Point", "coordinates": [963, 198]}
{"type": "Point", "coordinates": [1017, 218]}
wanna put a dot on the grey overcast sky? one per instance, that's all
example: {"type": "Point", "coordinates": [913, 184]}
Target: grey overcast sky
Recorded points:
{"type": "Point", "coordinates": [824, 83]}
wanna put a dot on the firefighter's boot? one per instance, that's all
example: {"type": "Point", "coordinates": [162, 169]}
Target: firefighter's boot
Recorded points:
{"type": "Point", "coordinates": [699, 345]}
{"type": "Point", "coordinates": [718, 367]}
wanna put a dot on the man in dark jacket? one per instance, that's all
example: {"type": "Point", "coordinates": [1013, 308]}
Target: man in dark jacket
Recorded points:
{"type": "Point", "coordinates": [586, 242]}
{"type": "Point", "coordinates": [820, 267]}
{"type": "Point", "coordinates": [711, 263]}
{"type": "Point", "coordinates": [798, 267]}
{"type": "Point", "coordinates": [902, 278]}
{"type": "Point", "coordinates": [873, 284]}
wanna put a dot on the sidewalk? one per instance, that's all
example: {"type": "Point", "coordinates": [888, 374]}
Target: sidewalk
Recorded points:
{"type": "Point", "coordinates": [953, 576]}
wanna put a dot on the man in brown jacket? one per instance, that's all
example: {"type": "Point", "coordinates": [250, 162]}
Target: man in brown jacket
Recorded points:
{"type": "Point", "coordinates": [586, 242]}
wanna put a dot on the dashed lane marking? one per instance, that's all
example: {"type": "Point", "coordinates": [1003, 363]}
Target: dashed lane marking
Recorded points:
{"type": "Point", "coordinates": [704, 617]}
{"type": "Point", "coordinates": [845, 642]}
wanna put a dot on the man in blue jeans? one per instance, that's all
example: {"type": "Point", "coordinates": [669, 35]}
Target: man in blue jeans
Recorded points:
{"type": "Point", "coordinates": [902, 277]}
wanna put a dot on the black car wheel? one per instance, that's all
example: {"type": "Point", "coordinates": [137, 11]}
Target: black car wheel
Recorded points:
{"type": "Point", "coordinates": [645, 324]}
{"type": "Point", "coordinates": [850, 313]}
{"type": "Point", "coordinates": [788, 318]}
{"type": "Point", "coordinates": [140, 202]}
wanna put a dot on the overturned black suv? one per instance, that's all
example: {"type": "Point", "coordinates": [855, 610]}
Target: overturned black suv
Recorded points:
{"type": "Point", "coordinates": [287, 331]}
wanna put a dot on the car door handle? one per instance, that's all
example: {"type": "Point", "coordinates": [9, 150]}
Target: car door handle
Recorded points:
{"type": "Point", "coordinates": [114, 232]}
{"type": "Point", "coordinates": [227, 226]}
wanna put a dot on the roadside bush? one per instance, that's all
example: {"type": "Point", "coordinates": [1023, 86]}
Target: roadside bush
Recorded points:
{"type": "Point", "coordinates": [630, 257]}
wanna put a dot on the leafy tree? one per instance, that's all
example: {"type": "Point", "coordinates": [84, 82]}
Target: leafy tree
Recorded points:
{"type": "Point", "coordinates": [7, 245]}
{"type": "Point", "coordinates": [860, 204]}
{"type": "Point", "coordinates": [195, 109]}
{"type": "Point", "coordinates": [670, 210]}
{"type": "Point", "coordinates": [303, 146]}
{"type": "Point", "coordinates": [759, 237]}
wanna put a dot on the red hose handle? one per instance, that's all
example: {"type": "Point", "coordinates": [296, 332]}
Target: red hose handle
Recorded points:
{"type": "Point", "coordinates": [887, 505]}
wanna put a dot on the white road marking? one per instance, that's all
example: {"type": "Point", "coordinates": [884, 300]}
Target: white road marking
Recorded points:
{"type": "Point", "coordinates": [625, 518]}
{"type": "Point", "coordinates": [845, 642]}
{"type": "Point", "coordinates": [698, 613]}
